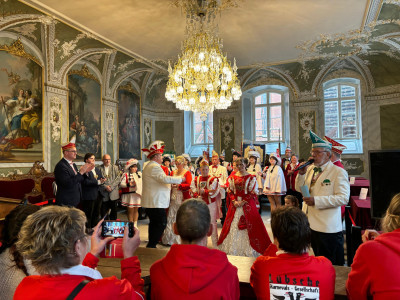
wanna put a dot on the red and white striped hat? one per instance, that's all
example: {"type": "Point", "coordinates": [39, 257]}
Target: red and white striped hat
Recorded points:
{"type": "Point", "coordinates": [154, 148]}
{"type": "Point", "coordinates": [336, 147]}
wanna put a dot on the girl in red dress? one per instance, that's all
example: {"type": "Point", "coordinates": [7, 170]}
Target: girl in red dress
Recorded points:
{"type": "Point", "coordinates": [243, 233]}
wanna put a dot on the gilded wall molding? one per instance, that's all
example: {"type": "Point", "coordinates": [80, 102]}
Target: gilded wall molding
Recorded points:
{"type": "Point", "coordinates": [61, 75]}
{"type": "Point", "coordinates": [84, 72]}
{"type": "Point", "coordinates": [17, 48]}
{"type": "Point", "coordinates": [128, 87]}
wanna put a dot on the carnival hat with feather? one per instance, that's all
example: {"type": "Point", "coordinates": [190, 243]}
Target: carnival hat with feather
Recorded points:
{"type": "Point", "coordinates": [154, 148]}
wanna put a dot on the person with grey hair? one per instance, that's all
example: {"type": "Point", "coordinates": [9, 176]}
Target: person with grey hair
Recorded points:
{"type": "Point", "coordinates": [54, 240]}
{"type": "Point", "coordinates": [325, 188]}
{"type": "Point", "coordinates": [191, 269]}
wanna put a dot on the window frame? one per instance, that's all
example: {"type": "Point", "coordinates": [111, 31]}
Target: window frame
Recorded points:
{"type": "Point", "coordinates": [205, 125]}
{"type": "Point", "coordinates": [354, 144]}
{"type": "Point", "coordinates": [340, 100]}
{"type": "Point", "coordinates": [268, 105]}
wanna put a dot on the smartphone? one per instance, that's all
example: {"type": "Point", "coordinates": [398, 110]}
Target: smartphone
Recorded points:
{"type": "Point", "coordinates": [116, 228]}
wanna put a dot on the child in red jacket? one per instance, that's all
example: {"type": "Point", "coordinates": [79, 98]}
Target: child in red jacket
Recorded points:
{"type": "Point", "coordinates": [191, 270]}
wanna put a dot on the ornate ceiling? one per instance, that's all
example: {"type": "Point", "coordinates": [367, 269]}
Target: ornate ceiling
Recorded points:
{"type": "Point", "coordinates": [258, 31]}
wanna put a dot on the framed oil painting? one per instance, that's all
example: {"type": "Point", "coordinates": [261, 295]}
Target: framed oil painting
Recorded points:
{"type": "Point", "coordinates": [84, 100]}
{"type": "Point", "coordinates": [128, 124]}
{"type": "Point", "coordinates": [21, 102]}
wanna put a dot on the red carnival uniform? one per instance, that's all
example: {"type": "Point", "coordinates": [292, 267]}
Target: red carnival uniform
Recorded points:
{"type": "Point", "coordinates": [211, 191]}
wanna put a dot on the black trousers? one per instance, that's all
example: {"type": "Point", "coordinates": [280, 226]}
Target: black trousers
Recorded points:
{"type": "Point", "coordinates": [329, 245]}
{"type": "Point", "coordinates": [223, 209]}
{"type": "Point", "coordinates": [158, 222]}
{"type": "Point", "coordinates": [88, 208]}
{"type": "Point", "coordinates": [106, 205]}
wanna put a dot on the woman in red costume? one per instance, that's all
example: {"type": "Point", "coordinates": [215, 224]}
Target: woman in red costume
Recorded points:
{"type": "Point", "coordinates": [243, 233]}
{"type": "Point", "coordinates": [179, 193]}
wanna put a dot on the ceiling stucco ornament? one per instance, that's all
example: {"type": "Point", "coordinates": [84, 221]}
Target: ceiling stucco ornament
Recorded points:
{"type": "Point", "coordinates": [202, 79]}
{"type": "Point", "coordinates": [352, 42]}
{"type": "Point", "coordinates": [394, 2]}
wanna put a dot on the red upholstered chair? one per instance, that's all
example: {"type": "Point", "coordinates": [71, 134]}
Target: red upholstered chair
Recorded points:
{"type": "Point", "coordinates": [16, 189]}
{"type": "Point", "coordinates": [47, 188]}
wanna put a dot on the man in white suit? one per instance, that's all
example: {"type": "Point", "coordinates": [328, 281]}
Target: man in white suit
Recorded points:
{"type": "Point", "coordinates": [216, 170]}
{"type": "Point", "coordinates": [156, 192]}
{"type": "Point", "coordinates": [329, 189]}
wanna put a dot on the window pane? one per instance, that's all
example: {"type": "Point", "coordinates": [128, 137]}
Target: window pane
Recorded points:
{"type": "Point", "coordinates": [209, 128]}
{"type": "Point", "coordinates": [261, 99]}
{"type": "Point", "coordinates": [275, 98]}
{"type": "Point", "coordinates": [276, 122]}
{"type": "Point", "coordinates": [196, 117]}
{"type": "Point", "coordinates": [347, 91]}
{"type": "Point", "coordinates": [261, 124]}
{"type": "Point", "coordinates": [331, 93]}
{"type": "Point", "coordinates": [198, 133]}
{"type": "Point", "coordinates": [331, 119]}
{"type": "Point", "coordinates": [349, 121]}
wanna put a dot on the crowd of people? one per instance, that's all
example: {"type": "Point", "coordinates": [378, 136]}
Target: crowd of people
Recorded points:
{"type": "Point", "coordinates": [44, 252]}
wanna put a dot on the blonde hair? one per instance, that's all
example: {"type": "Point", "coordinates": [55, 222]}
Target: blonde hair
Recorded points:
{"type": "Point", "coordinates": [391, 220]}
{"type": "Point", "coordinates": [48, 238]}
{"type": "Point", "coordinates": [180, 159]}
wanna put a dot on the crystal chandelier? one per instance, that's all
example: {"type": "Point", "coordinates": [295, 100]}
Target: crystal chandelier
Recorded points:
{"type": "Point", "coordinates": [202, 79]}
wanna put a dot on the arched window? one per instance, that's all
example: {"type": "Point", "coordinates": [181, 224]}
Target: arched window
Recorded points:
{"type": "Point", "coordinates": [266, 116]}
{"type": "Point", "coordinates": [342, 112]}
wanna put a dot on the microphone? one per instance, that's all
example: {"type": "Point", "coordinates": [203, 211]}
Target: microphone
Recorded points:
{"type": "Point", "coordinates": [309, 162]}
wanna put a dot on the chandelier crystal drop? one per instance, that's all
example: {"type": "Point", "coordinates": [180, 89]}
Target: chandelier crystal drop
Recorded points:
{"type": "Point", "coordinates": [202, 79]}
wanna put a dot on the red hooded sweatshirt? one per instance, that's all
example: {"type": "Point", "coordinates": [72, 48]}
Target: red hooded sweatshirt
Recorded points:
{"type": "Point", "coordinates": [194, 272]}
{"type": "Point", "coordinates": [375, 272]}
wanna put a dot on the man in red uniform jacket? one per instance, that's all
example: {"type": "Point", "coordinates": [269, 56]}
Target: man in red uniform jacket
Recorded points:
{"type": "Point", "coordinates": [191, 270]}
{"type": "Point", "coordinates": [291, 272]}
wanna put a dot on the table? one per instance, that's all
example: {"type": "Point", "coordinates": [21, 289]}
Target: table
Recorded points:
{"type": "Point", "coordinates": [147, 256]}
{"type": "Point", "coordinates": [358, 185]}
{"type": "Point", "coordinates": [361, 212]}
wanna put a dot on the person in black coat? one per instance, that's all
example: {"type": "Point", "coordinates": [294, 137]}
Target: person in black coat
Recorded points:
{"type": "Point", "coordinates": [91, 202]}
{"type": "Point", "coordinates": [68, 178]}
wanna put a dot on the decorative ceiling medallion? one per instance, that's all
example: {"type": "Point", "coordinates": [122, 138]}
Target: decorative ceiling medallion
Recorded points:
{"type": "Point", "coordinates": [17, 49]}
{"type": "Point", "coordinates": [84, 72]}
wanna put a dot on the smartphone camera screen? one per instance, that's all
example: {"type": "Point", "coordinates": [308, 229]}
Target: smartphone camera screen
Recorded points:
{"type": "Point", "coordinates": [113, 228]}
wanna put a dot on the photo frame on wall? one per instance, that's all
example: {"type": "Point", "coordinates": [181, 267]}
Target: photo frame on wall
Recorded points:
{"type": "Point", "coordinates": [21, 105]}
{"type": "Point", "coordinates": [85, 110]}
{"type": "Point", "coordinates": [129, 120]}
